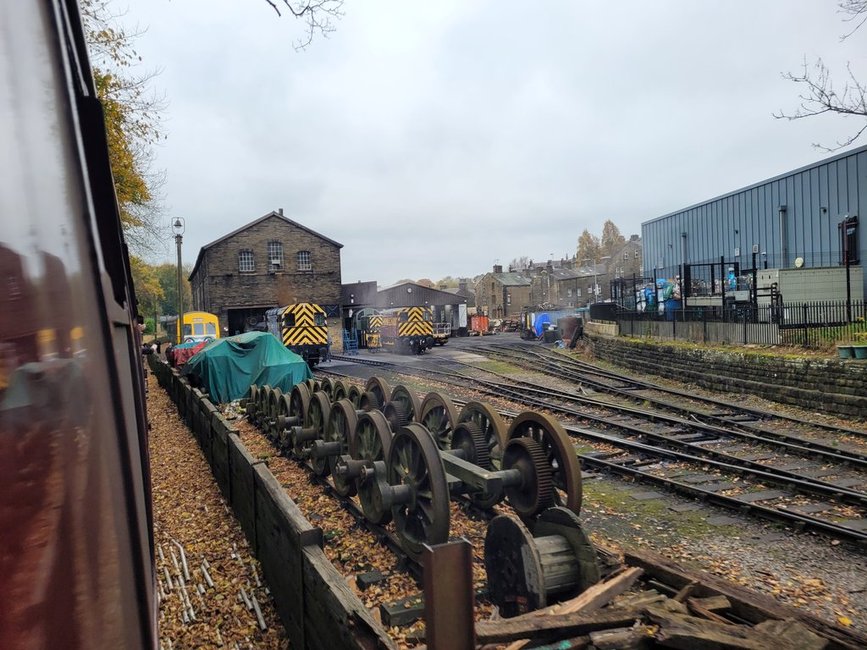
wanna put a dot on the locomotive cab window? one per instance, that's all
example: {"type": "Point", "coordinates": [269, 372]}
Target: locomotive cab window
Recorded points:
{"type": "Point", "coordinates": [403, 317]}
{"type": "Point", "coordinates": [289, 320]}
{"type": "Point", "coordinates": [319, 320]}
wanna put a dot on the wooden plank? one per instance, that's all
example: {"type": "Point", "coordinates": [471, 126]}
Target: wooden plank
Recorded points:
{"type": "Point", "coordinates": [746, 605]}
{"type": "Point", "coordinates": [630, 638]}
{"type": "Point", "coordinates": [593, 598]}
{"type": "Point", "coordinates": [242, 487]}
{"type": "Point", "coordinates": [691, 633]}
{"type": "Point", "coordinates": [696, 607]}
{"type": "Point", "coordinates": [281, 534]}
{"type": "Point", "coordinates": [596, 596]}
{"type": "Point", "coordinates": [795, 633]}
{"type": "Point", "coordinates": [551, 627]}
{"type": "Point", "coordinates": [220, 455]}
{"type": "Point", "coordinates": [712, 603]}
{"type": "Point", "coordinates": [333, 615]}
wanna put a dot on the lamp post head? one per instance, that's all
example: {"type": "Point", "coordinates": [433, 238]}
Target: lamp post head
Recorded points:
{"type": "Point", "coordinates": [178, 226]}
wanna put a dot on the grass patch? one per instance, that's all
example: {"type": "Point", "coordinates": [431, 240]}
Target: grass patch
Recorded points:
{"type": "Point", "coordinates": [498, 366]}
{"type": "Point", "coordinates": [690, 524]}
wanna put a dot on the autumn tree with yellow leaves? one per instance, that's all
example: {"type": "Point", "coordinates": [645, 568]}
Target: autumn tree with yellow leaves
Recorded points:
{"type": "Point", "coordinates": [132, 122]}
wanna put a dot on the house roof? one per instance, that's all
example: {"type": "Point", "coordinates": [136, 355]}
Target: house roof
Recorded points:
{"type": "Point", "coordinates": [511, 279]}
{"type": "Point", "coordinates": [419, 294]}
{"type": "Point", "coordinates": [273, 213]}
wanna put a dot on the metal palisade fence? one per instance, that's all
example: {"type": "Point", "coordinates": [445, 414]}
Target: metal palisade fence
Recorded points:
{"type": "Point", "coordinates": [814, 324]}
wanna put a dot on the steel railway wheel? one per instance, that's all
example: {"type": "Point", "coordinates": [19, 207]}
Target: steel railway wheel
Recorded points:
{"type": "Point", "coordinates": [469, 440]}
{"type": "Point", "coordinates": [379, 387]}
{"type": "Point", "coordinates": [338, 391]}
{"type": "Point", "coordinates": [439, 416]}
{"type": "Point", "coordinates": [368, 401]}
{"type": "Point", "coordinates": [262, 405]}
{"type": "Point", "coordinates": [327, 387]}
{"type": "Point", "coordinates": [272, 409]}
{"type": "Point", "coordinates": [340, 428]}
{"type": "Point", "coordinates": [318, 413]}
{"type": "Point", "coordinates": [353, 394]}
{"type": "Point", "coordinates": [491, 425]}
{"type": "Point", "coordinates": [414, 462]}
{"type": "Point", "coordinates": [299, 402]}
{"type": "Point", "coordinates": [468, 437]}
{"type": "Point", "coordinates": [284, 410]}
{"type": "Point", "coordinates": [408, 400]}
{"type": "Point", "coordinates": [396, 415]}
{"type": "Point", "coordinates": [253, 404]}
{"type": "Point", "coordinates": [559, 454]}
{"type": "Point", "coordinates": [536, 490]}
{"type": "Point", "coordinates": [371, 442]}
{"type": "Point", "coordinates": [312, 385]}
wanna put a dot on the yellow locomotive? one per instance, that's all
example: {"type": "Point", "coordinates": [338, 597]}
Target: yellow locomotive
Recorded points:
{"type": "Point", "coordinates": [407, 329]}
{"type": "Point", "coordinates": [302, 328]}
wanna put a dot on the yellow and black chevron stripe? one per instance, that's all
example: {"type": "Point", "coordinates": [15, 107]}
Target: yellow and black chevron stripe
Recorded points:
{"type": "Point", "coordinates": [416, 323]}
{"type": "Point", "coordinates": [374, 323]}
{"type": "Point", "coordinates": [304, 324]}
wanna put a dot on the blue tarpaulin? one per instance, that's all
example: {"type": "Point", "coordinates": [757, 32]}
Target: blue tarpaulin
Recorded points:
{"type": "Point", "coordinates": [227, 367]}
{"type": "Point", "coordinates": [541, 321]}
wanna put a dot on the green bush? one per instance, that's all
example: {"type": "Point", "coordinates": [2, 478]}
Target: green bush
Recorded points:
{"type": "Point", "coordinates": [149, 326]}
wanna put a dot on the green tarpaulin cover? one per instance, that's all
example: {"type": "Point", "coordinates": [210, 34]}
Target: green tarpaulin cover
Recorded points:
{"type": "Point", "coordinates": [227, 367]}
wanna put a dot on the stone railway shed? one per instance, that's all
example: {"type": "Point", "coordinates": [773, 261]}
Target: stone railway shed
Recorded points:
{"type": "Point", "coordinates": [800, 214]}
{"type": "Point", "coordinates": [269, 262]}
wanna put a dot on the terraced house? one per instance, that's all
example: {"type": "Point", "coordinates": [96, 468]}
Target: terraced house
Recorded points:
{"type": "Point", "coordinates": [269, 262]}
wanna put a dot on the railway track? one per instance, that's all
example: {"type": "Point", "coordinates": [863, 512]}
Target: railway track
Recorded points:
{"type": "Point", "coordinates": [248, 485]}
{"type": "Point", "coordinates": [621, 445]}
{"type": "Point", "coordinates": [710, 410]}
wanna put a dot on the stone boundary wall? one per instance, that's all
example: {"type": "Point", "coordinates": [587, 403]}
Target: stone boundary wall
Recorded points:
{"type": "Point", "coordinates": [315, 604]}
{"type": "Point", "coordinates": [831, 386]}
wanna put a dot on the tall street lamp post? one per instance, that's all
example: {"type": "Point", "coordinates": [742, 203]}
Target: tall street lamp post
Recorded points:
{"type": "Point", "coordinates": [178, 229]}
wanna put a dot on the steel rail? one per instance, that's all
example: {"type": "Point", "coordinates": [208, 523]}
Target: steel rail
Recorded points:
{"type": "Point", "coordinates": [767, 512]}
{"type": "Point", "coordinates": [582, 366]}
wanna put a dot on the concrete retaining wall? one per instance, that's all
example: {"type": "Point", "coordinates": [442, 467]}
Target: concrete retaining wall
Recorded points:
{"type": "Point", "coordinates": [828, 385]}
{"type": "Point", "coordinates": [313, 600]}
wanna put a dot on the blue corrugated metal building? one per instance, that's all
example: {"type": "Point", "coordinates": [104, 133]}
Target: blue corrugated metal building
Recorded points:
{"type": "Point", "coordinates": [793, 215]}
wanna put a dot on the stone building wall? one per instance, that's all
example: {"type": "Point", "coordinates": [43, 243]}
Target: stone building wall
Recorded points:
{"type": "Point", "coordinates": [219, 285]}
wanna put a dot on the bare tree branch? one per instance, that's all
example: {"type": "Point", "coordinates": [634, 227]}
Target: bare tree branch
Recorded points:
{"type": "Point", "coordinates": [857, 13]}
{"type": "Point", "coordinates": [819, 95]}
{"type": "Point", "coordinates": [317, 14]}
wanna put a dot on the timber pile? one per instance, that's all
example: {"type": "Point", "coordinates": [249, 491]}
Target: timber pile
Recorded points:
{"type": "Point", "coordinates": [652, 602]}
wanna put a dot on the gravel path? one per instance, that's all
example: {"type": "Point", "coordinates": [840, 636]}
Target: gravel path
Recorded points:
{"type": "Point", "coordinates": [222, 586]}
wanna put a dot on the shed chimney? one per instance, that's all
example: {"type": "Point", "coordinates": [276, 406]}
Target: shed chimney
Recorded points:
{"type": "Point", "coordinates": [280, 211]}
{"type": "Point", "coordinates": [498, 268]}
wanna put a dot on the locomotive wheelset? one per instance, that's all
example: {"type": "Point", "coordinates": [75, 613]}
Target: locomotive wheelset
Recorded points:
{"type": "Point", "coordinates": [405, 457]}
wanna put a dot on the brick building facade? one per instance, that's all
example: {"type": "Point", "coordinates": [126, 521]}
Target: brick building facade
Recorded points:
{"type": "Point", "coordinates": [502, 295]}
{"type": "Point", "coordinates": [270, 262]}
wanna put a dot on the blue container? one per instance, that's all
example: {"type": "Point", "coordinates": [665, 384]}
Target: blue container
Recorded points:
{"type": "Point", "coordinates": [671, 306]}
{"type": "Point", "coordinates": [845, 352]}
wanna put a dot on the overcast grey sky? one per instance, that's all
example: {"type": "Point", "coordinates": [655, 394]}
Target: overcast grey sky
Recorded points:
{"type": "Point", "coordinates": [434, 138]}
